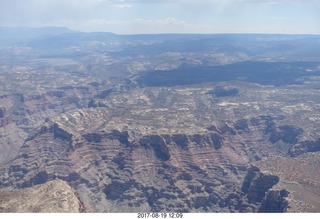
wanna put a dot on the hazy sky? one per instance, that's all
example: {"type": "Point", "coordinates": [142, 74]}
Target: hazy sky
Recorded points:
{"type": "Point", "coordinates": [166, 16]}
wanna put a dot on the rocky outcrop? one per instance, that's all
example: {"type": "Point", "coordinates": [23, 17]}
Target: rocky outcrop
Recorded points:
{"type": "Point", "coordinates": [94, 103]}
{"type": "Point", "coordinates": [51, 197]}
{"type": "Point", "coordinates": [275, 202]}
{"type": "Point", "coordinates": [114, 134]}
{"type": "Point", "coordinates": [304, 147]}
{"type": "Point", "coordinates": [287, 133]}
{"type": "Point", "coordinates": [227, 129]}
{"type": "Point", "coordinates": [158, 144]}
{"type": "Point", "coordinates": [257, 184]}
{"type": "Point", "coordinates": [104, 94]}
{"type": "Point", "coordinates": [61, 133]}
{"type": "Point", "coordinates": [2, 112]}
{"type": "Point", "coordinates": [241, 124]}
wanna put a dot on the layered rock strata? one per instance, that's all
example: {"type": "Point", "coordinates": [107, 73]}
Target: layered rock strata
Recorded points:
{"type": "Point", "coordinates": [174, 150]}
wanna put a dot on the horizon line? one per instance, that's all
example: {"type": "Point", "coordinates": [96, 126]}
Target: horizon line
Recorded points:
{"type": "Point", "coordinates": [165, 33]}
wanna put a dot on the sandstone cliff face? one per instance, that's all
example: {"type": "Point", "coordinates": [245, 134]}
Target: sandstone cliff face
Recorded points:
{"type": "Point", "coordinates": [53, 196]}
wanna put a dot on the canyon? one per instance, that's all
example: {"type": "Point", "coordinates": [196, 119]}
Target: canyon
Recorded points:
{"type": "Point", "coordinates": [118, 125]}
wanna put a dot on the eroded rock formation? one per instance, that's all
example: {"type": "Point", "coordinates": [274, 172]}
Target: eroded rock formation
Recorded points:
{"type": "Point", "coordinates": [180, 156]}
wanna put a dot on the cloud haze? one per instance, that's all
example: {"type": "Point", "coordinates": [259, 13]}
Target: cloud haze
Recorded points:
{"type": "Point", "coordinates": [163, 16]}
